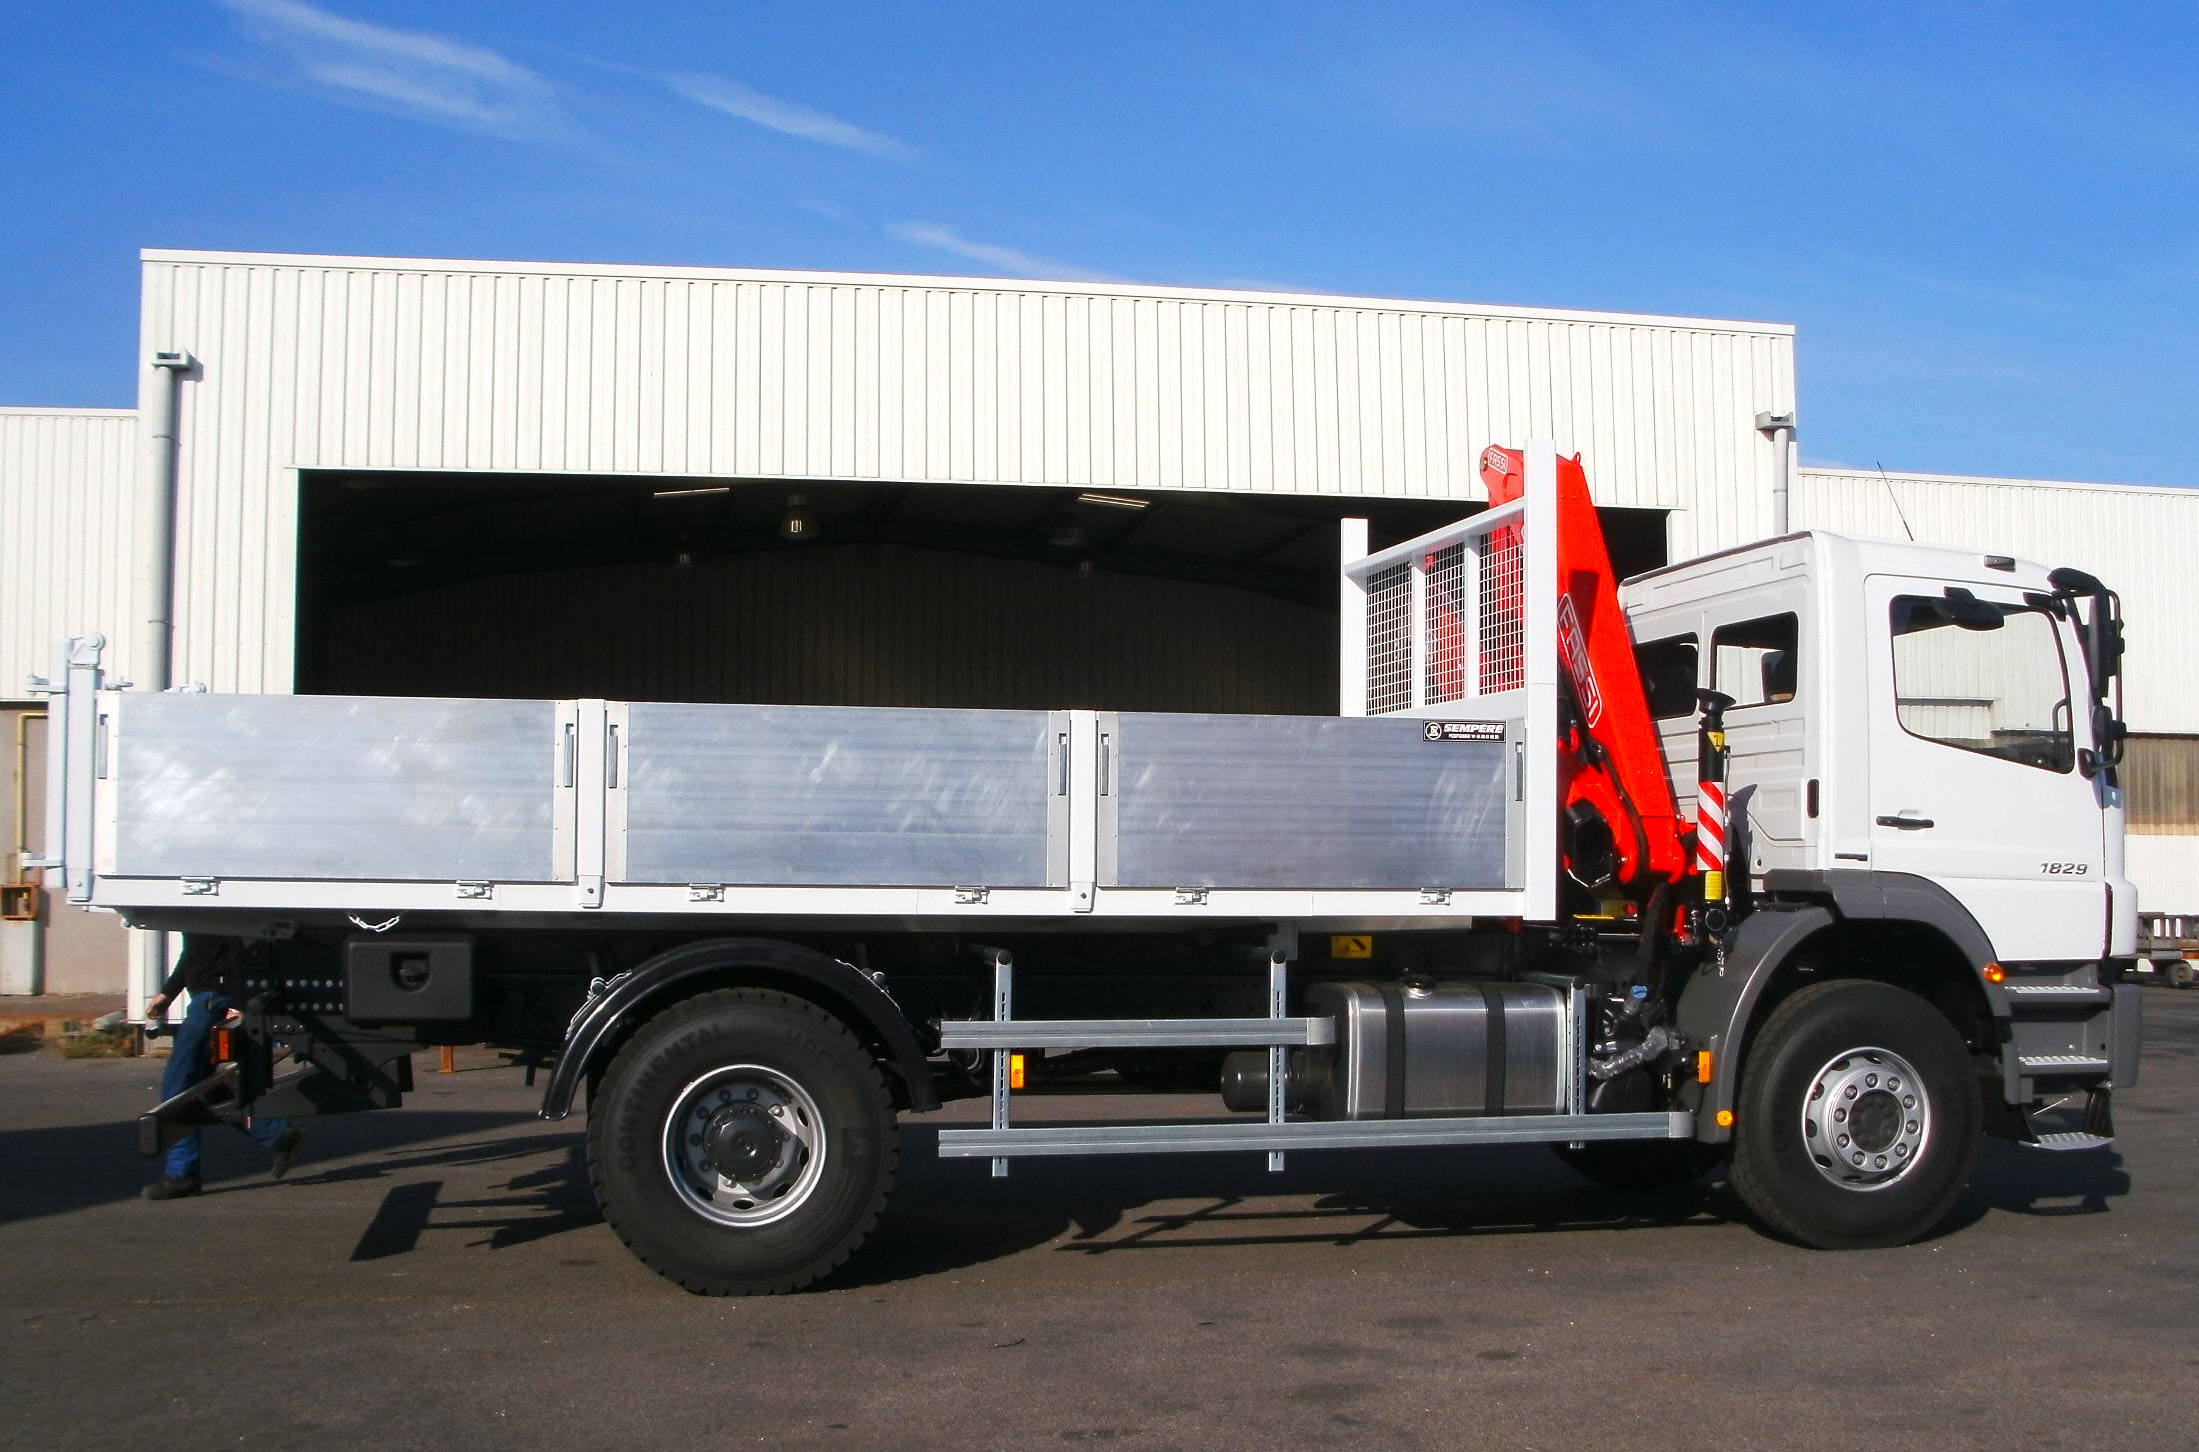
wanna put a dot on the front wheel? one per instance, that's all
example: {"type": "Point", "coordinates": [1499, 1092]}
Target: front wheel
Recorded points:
{"type": "Point", "coordinates": [742, 1143]}
{"type": "Point", "coordinates": [1859, 1117]}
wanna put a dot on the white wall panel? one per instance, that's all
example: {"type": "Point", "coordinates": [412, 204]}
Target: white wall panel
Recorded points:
{"type": "Point", "coordinates": [2142, 542]}
{"type": "Point", "coordinates": [2166, 869]}
{"type": "Point", "coordinates": [342, 363]}
{"type": "Point", "coordinates": [66, 482]}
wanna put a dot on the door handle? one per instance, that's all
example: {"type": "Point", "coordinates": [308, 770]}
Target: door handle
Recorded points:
{"type": "Point", "coordinates": [1906, 823]}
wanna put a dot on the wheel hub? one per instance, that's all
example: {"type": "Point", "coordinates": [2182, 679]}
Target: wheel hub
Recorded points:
{"type": "Point", "coordinates": [744, 1145]}
{"type": "Point", "coordinates": [1866, 1119]}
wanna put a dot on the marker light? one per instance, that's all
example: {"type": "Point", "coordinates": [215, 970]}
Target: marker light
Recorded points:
{"type": "Point", "coordinates": [1702, 1067]}
{"type": "Point", "coordinates": [1015, 1071]}
{"type": "Point", "coordinates": [1994, 973]}
{"type": "Point", "coordinates": [1725, 1119]}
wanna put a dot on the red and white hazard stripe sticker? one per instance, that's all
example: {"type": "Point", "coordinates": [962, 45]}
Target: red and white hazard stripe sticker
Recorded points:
{"type": "Point", "coordinates": [1710, 826]}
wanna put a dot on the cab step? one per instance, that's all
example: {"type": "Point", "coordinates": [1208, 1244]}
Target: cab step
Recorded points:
{"type": "Point", "coordinates": [2063, 1064]}
{"type": "Point", "coordinates": [2074, 1139]}
{"type": "Point", "coordinates": [2094, 1131]}
{"type": "Point", "coordinates": [2057, 995]}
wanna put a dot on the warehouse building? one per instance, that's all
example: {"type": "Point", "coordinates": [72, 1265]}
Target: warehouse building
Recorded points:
{"type": "Point", "coordinates": [492, 479]}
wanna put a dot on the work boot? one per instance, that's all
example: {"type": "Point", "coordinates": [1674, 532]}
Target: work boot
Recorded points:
{"type": "Point", "coordinates": [171, 1187]}
{"type": "Point", "coordinates": [285, 1151]}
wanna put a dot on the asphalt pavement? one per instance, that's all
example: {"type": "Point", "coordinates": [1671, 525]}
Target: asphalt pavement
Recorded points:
{"type": "Point", "coordinates": [438, 1277]}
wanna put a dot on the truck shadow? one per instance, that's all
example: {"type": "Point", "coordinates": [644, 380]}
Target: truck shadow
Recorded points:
{"type": "Point", "coordinates": [548, 1199]}
{"type": "Point", "coordinates": [506, 1179]}
{"type": "Point", "coordinates": [59, 1170]}
{"type": "Point", "coordinates": [951, 1215]}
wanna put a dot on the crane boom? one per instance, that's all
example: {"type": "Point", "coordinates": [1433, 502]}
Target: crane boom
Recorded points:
{"type": "Point", "coordinates": [1621, 822]}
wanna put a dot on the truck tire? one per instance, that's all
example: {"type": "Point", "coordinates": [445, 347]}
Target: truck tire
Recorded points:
{"type": "Point", "coordinates": [742, 1143]}
{"type": "Point", "coordinates": [1859, 1118]}
{"type": "Point", "coordinates": [1641, 1164]}
{"type": "Point", "coordinates": [2179, 973]}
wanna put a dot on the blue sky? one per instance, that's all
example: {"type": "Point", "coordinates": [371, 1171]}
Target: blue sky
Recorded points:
{"type": "Point", "coordinates": [1985, 219]}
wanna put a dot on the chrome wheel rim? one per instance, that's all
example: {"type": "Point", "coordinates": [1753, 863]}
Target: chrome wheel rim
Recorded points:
{"type": "Point", "coordinates": [1866, 1120]}
{"type": "Point", "coordinates": [744, 1145]}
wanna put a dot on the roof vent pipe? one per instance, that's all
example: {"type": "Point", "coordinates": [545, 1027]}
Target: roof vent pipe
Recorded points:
{"type": "Point", "coordinates": [1779, 428]}
{"type": "Point", "coordinates": [156, 523]}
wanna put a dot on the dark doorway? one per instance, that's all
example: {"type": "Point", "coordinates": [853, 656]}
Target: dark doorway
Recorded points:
{"type": "Point", "coordinates": [826, 593]}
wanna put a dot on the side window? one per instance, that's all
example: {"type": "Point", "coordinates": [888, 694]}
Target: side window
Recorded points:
{"type": "Point", "coordinates": [1983, 677]}
{"type": "Point", "coordinates": [1668, 675]}
{"type": "Point", "coordinates": [1757, 661]}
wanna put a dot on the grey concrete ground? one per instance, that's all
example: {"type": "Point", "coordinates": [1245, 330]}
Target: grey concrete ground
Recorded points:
{"type": "Point", "coordinates": [438, 1277]}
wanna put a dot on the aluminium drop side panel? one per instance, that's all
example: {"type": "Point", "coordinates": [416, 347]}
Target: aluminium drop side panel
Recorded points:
{"type": "Point", "coordinates": [1306, 803]}
{"type": "Point", "coordinates": [337, 788]}
{"type": "Point", "coordinates": [841, 796]}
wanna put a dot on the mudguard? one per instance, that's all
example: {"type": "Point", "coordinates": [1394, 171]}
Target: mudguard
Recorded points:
{"type": "Point", "coordinates": [1716, 1005]}
{"type": "Point", "coordinates": [633, 996]}
{"type": "Point", "coordinates": [1715, 1008]}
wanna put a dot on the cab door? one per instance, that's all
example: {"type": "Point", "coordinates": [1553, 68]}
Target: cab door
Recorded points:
{"type": "Point", "coordinates": [1973, 763]}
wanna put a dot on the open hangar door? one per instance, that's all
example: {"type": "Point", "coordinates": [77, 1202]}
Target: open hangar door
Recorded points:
{"type": "Point", "coordinates": [829, 593]}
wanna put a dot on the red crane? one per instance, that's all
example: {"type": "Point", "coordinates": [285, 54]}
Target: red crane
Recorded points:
{"type": "Point", "coordinates": [1621, 822]}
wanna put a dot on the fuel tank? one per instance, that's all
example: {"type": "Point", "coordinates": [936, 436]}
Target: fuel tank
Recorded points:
{"type": "Point", "coordinates": [1416, 1050]}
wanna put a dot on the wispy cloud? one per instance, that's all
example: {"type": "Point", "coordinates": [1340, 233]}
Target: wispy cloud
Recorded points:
{"type": "Point", "coordinates": [789, 117]}
{"type": "Point", "coordinates": [1013, 261]}
{"type": "Point", "coordinates": [427, 77]}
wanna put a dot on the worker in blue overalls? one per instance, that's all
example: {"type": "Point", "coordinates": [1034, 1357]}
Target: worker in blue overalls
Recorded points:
{"type": "Point", "coordinates": [211, 969]}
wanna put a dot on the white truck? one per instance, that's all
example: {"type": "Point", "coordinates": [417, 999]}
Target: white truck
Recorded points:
{"type": "Point", "coordinates": [1806, 855]}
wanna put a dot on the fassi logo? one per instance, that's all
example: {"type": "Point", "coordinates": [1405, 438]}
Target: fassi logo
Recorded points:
{"type": "Point", "coordinates": [1573, 649]}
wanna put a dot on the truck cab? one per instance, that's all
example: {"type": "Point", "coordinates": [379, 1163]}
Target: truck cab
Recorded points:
{"type": "Point", "coordinates": [1923, 744]}
{"type": "Point", "coordinates": [1900, 708]}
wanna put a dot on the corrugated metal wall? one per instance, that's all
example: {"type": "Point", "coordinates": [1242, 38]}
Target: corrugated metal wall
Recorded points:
{"type": "Point", "coordinates": [2142, 542]}
{"type": "Point", "coordinates": [2161, 784]}
{"type": "Point", "coordinates": [371, 364]}
{"type": "Point", "coordinates": [66, 481]}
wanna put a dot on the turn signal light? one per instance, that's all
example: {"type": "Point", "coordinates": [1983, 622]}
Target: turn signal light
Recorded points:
{"type": "Point", "coordinates": [1994, 973]}
{"type": "Point", "coordinates": [1015, 1071]}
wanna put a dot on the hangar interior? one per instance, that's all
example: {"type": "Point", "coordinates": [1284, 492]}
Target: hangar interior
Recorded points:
{"type": "Point", "coordinates": [834, 593]}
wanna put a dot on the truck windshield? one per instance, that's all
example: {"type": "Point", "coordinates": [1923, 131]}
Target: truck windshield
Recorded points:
{"type": "Point", "coordinates": [1982, 676]}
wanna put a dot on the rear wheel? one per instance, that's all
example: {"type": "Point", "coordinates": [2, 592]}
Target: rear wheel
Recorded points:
{"type": "Point", "coordinates": [2179, 973]}
{"type": "Point", "coordinates": [1859, 1117]}
{"type": "Point", "coordinates": [742, 1143]}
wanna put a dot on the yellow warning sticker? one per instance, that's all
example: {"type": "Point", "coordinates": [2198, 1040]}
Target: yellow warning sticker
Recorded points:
{"type": "Point", "coordinates": [1351, 945]}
